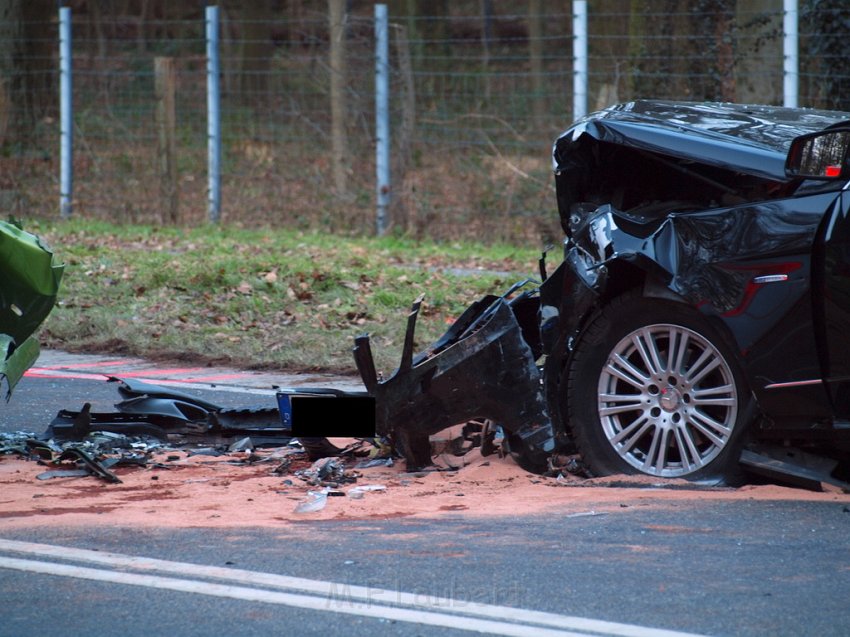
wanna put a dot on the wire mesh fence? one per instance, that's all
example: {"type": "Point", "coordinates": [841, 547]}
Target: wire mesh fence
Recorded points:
{"type": "Point", "coordinates": [477, 96]}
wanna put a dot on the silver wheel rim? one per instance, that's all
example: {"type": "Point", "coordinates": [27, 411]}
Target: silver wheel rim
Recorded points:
{"type": "Point", "coordinates": [667, 400]}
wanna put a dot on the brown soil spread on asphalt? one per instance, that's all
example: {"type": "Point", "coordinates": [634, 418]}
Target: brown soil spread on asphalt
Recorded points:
{"type": "Point", "coordinates": [205, 491]}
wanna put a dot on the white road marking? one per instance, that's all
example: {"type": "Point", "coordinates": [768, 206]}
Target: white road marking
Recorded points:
{"type": "Point", "coordinates": [286, 599]}
{"type": "Point", "coordinates": [323, 595]}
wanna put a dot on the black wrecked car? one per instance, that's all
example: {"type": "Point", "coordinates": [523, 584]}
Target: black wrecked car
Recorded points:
{"type": "Point", "coordinates": [703, 302]}
{"type": "Point", "coordinates": [706, 294]}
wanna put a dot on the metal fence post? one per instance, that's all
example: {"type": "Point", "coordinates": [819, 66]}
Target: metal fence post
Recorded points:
{"type": "Point", "coordinates": [382, 116]}
{"type": "Point", "coordinates": [579, 58]}
{"type": "Point", "coordinates": [790, 50]}
{"type": "Point", "coordinates": [213, 116]}
{"type": "Point", "coordinates": [66, 116]}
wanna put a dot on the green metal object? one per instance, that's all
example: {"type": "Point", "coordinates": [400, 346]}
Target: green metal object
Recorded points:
{"type": "Point", "coordinates": [29, 283]}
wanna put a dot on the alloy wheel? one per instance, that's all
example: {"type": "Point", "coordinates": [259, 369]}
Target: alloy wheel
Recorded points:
{"type": "Point", "coordinates": [667, 400]}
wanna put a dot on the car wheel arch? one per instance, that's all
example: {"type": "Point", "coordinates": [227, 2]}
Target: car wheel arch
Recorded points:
{"type": "Point", "coordinates": [656, 289]}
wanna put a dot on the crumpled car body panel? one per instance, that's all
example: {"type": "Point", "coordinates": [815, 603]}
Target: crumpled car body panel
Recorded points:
{"type": "Point", "coordinates": [752, 139]}
{"type": "Point", "coordinates": [483, 367]}
{"type": "Point", "coordinates": [752, 260]}
{"type": "Point", "coordinates": [30, 283]}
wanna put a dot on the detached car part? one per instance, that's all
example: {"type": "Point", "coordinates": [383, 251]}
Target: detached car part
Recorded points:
{"type": "Point", "coordinates": [483, 367]}
{"type": "Point", "coordinates": [29, 283]}
{"type": "Point", "coordinates": [171, 415]}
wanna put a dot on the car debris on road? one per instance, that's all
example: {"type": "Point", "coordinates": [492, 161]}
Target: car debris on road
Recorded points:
{"type": "Point", "coordinates": [700, 309]}
{"type": "Point", "coordinates": [702, 304]}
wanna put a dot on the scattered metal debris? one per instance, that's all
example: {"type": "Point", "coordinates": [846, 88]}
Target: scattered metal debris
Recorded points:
{"type": "Point", "coordinates": [328, 472]}
{"type": "Point", "coordinates": [90, 463]}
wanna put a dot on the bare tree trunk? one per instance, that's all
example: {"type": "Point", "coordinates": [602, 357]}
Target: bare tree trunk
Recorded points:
{"type": "Point", "coordinates": [10, 34]}
{"type": "Point", "coordinates": [758, 67]}
{"type": "Point", "coordinates": [433, 49]}
{"type": "Point", "coordinates": [339, 141]}
{"type": "Point", "coordinates": [99, 30]}
{"type": "Point", "coordinates": [141, 28]}
{"type": "Point", "coordinates": [402, 212]}
{"type": "Point", "coordinates": [26, 65]}
{"type": "Point", "coordinates": [724, 23]}
{"type": "Point", "coordinates": [257, 48]}
{"type": "Point", "coordinates": [609, 23]}
{"type": "Point", "coordinates": [535, 58]}
{"type": "Point", "coordinates": [486, 38]}
{"type": "Point", "coordinates": [165, 80]}
{"type": "Point", "coordinates": [5, 110]}
{"type": "Point", "coordinates": [435, 25]}
{"type": "Point", "coordinates": [637, 48]}
{"type": "Point", "coordinates": [413, 31]}
{"type": "Point", "coordinates": [713, 20]}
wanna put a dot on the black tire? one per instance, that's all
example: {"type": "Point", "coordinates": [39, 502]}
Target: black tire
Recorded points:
{"type": "Point", "coordinates": [636, 407]}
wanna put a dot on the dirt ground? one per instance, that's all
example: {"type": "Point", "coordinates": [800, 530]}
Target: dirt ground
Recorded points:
{"type": "Point", "coordinates": [181, 491]}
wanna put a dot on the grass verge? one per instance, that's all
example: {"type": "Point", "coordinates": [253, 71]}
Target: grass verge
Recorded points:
{"type": "Point", "coordinates": [260, 299]}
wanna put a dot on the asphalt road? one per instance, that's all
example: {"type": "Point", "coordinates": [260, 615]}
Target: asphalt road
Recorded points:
{"type": "Point", "coordinates": [742, 568]}
{"type": "Point", "coordinates": [733, 568]}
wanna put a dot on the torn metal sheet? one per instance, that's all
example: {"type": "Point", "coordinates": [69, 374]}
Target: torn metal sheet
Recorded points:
{"type": "Point", "coordinates": [482, 368]}
{"type": "Point", "coordinates": [170, 405]}
{"type": "Point", "coordinates": [30, 282]}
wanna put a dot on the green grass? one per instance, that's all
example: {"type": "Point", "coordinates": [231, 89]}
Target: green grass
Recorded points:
{"type": "Point", "coordinates": [260, 299]}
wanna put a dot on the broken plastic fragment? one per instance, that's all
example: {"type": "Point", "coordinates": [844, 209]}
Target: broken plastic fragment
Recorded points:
{"type": "Point", "coordinates": [63, 473]}
{"type": "Point", "coordinates": [245, 444]}
{"type": "Point", "coordinates": [204, 451]}
{"type": "Point", "coordinates": [316, 501]}
{"type": "Point", "coordinates": [357, 492]}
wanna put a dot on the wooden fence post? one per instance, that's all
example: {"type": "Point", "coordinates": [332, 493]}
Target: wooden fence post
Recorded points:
{"type": "Point", "coordinates": [164, 87]}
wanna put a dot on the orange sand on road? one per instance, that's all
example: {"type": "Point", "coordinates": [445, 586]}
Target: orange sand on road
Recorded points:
{"type": "Point", "coordinates": [203, 491]}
